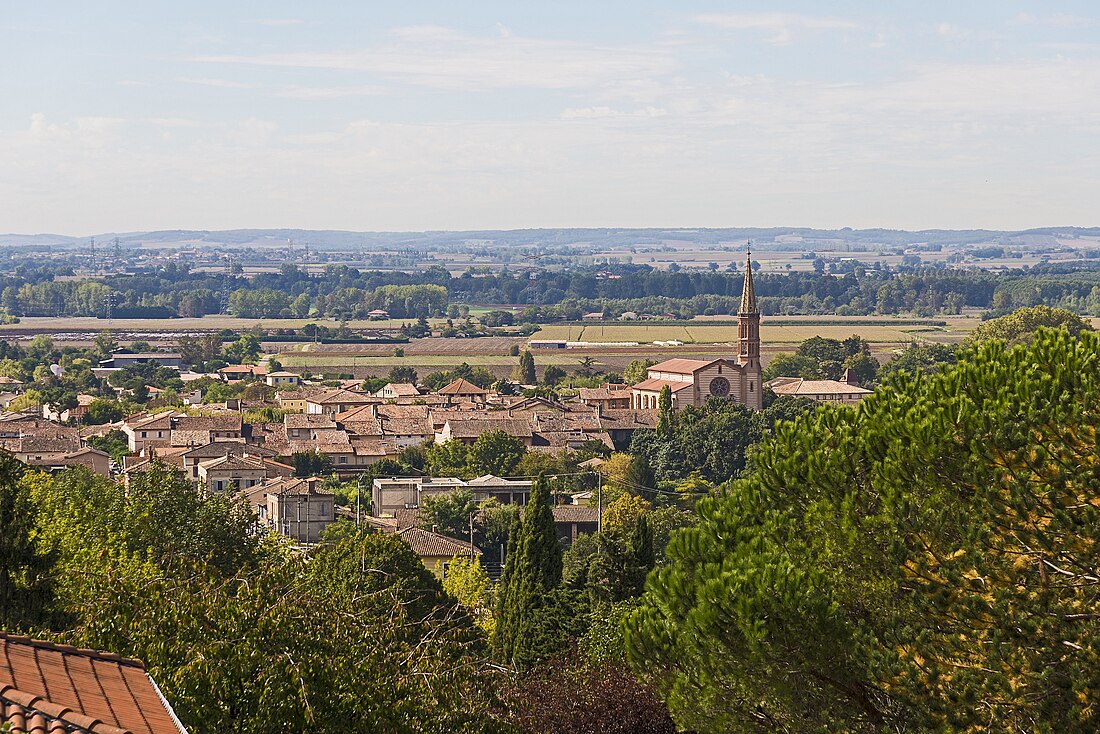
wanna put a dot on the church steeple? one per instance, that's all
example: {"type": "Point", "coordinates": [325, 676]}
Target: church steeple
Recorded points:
{"type": "Point", "coordinates": [748, 355]}
{"type": "Point", "coordinates": [748, 293]}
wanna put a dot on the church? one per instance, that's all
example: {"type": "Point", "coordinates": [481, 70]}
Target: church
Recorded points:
{"type": "Point", "coordinates": [692, 381]}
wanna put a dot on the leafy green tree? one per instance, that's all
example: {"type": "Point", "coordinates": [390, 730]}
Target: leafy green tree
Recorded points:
{"type": "Point", "coordinates": [244, 350]}
{"type": "Point", "coordinates": [25, 588]}
{"type": "Point", "coordinates": [1021, 324]}
{"type": "Point", "coordinates": [533, 570]}
{"type": "Point", "coordinates": [635, 372]}
{"type": "Point", "coordinates": [310, 463]}
{"type": "Point", "coordinates": [467, 581]}
{"type": "Point", "coordinates": [358, 637]}
{"type": "Point", "coordinates": [928, 359]}
{"type": "Point", "coordinates": [553, 375]}
{"type": "Point", "coordinates": [449, 513]}
{"type": "Point", "coordinates": [105, 343]}
{"type": "Point", "coordinates": [446, 459]}
{"type": "Point", "coordinates": [827, 354]}
{"type": "Point", "coordinates": [114, 443]}
{"type": "Point", "coordinates": [793, 365]}
{"type": "Point", "coordinates": [495, 452]}
{"type": "Point", "coordinates": [102, 410]}
{"type": "Point", "coordinates": [403, 374]}
{"type": "Point", "coordinates": [864, 368]}
{"type": "Point", "coordinates": [920, 563]}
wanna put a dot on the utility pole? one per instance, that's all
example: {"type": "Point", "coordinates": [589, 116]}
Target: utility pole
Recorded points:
{"type": "Point", "coordinates": [599, 502]}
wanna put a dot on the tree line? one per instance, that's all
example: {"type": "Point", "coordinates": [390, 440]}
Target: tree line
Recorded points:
{"type": "Point", "coordinates": [547, 295]}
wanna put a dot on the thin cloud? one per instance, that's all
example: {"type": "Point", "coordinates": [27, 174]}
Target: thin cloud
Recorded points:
{"type": "Point", "coordinates": [783, 25]}
{"type": "Point", "coordinates": [221, 83]}
{"type": "Point", "coordinates": [366, 90]}
{"type": "Point", "coordinates": [439, 57]}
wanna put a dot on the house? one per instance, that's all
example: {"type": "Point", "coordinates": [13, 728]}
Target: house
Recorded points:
{"type": "Point", "coordinates": [47, 687]}
{"type": "Point", "coordinates": [467, 430]}
{"type": "Point", "coordinates": [88, 457]}
{"type": "Point", "coordinates": [278, 379]}
{"type": "Point", "coordinates": [119, 360]}
{"type": "Point", "coordinates": [437, 551]}
{"type": "Point", "coordinates": [239, 472]}
{"type": "Point", "coordinates": [306, 426]}
{"type": "Point", "coordinates": [337, 401]}
{"type": "Point", "coordinates": [378, 314]}
{"type": "Point", "coordinates": [548, 344]}
{"type": "Point", "coordinates": [504, 491]}
{"type": "Point", "coordinates": [300, 509]}
{"type": "Point", "coordinates": [189, 459]}
{"type": "Point", "coordinates": [389, 495]}
{"type": "Point", "coordinates": [295, 400]}
{"type": "Point", "coordinates": [396, 390]}
{"type": "Point", "coordinates": [463, 390]}
{"type": "Point", "coordinates": [826, 391]}
{"type": "Point", "coordinates": [10, 384]}
{"type": "Point", "coordinates": [693, 381]}
{"type": "Point", "coordinates": [628, 316]}
{"type": "Point", "coordinates": [573, 520]}
{"type": "Point", "coordinates": [149, 430]}
{"type": "Point", "coordinates": [594, 316]}
{"type": "Point", "coordinates": [235, 372]}
{"type": "Point", "coordinates": [7, 398]}
{"type": "Point", "coordinates": [608, 396]}
{"type": "Point", "coordinates": [75, 413]}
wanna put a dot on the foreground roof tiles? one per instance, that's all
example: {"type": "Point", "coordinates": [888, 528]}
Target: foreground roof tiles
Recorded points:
{"type": "Point", "coordinates": [46, 687]}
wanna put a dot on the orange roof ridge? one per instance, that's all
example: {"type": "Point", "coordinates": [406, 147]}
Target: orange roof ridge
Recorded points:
{"type": "Point", "coordinates": [72, 650]}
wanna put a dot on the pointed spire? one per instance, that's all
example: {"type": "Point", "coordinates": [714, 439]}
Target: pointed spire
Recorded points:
{"type": "Point", "coordinates": [748, 293]}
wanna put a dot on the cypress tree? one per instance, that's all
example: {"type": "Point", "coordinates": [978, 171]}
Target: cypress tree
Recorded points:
{"type": "Point", "coordinates": [527, 368]}
{"type": "Point", "coordinates": [641, 545]}
{"type": "Point", "coordinates": [532, 571]}
{"type": "Point", "coordinates": [664, 410]}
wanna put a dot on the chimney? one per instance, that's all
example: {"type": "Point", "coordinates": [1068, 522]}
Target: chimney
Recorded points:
{"type": "Point", "coordinates": [435, 529]}
{"type": "Point", "coordinates": [850, 378]}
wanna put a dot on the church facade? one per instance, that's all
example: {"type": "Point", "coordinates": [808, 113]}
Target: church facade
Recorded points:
{"type": "Point", "coordinates": [693, 381]}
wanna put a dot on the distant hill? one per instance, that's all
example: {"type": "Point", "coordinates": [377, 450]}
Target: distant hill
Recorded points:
{"type": "Point", "coordinates": [790, 237]}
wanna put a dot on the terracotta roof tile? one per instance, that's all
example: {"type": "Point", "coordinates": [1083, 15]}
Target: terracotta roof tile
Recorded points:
{"type": "Point", "coordinates": [461, 386]}
{"type": "Point", "coordinates": [425, 543]}
{"type": "Point", "coordinates": [47, 687]}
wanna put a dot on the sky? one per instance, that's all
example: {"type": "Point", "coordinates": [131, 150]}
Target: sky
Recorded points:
{"type": "Point", "coordinates": [128, 115]}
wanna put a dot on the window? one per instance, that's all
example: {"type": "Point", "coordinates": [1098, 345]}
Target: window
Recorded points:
{"type": "Point", "coordinates": [143, 434]}
{"type": "Point", "coordinates": [750, 385]}
{"type": "Point", "coordinates": [343, 459]}
{"type": "Point", "coordinates": [219, 485]}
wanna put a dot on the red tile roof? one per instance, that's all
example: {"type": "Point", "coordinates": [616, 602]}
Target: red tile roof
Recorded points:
{"type": "Point", "coordinates": [681, 366]}
{"type": "Point", "coordinates": [461, 386]}
{"type": "Point", "coordinates": [427, 544]}
{"type": "Point", "coordinates": [49, 687]}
